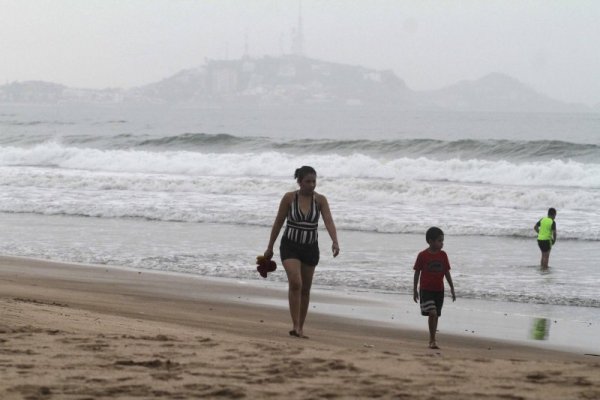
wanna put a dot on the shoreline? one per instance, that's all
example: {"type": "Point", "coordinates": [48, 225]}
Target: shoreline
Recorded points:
{"type": "Point", "coordinates": [78, 331]}
{"type": "Point", "coordinates": [507, 323]}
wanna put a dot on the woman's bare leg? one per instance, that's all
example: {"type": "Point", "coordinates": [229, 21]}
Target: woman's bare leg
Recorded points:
{"type": "Point", "coordinates": [307, 273]}
{"type": "Point", "coordinates": [293, 269]}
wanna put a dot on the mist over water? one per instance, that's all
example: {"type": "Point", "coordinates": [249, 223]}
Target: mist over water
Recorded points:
{"type": "Point", "coordinates": [315, 122]}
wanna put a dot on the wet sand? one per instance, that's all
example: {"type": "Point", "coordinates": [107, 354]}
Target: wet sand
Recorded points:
{"type": "Point", "coordinates": [71, 331]}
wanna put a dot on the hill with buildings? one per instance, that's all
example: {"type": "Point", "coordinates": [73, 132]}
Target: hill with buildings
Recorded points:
{"type": "Point", "coordinates": [286, 80]}
{"type": "Point", "coordinates": [294, 80]}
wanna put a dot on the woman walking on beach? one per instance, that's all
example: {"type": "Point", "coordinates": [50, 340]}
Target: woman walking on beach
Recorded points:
{"type": "Point", "coordinates": [299, 247]}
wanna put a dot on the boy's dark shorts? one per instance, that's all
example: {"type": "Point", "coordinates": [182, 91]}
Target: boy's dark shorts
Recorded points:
{"type": "Point", "coordinates": [545, 245]}
{"type": "Point", "coordinates": [431, 300]}
{"type": "Point", "coordinates": [307, 253]}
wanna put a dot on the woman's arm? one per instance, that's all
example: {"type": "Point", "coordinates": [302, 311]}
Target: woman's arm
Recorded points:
{"type": "Point", "coordinates": [279, 220]}
{"type": "Point", "coordinates": [329, 225]}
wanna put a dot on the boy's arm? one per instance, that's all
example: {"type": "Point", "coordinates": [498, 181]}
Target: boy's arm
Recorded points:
{"type": "Point", "coordinates": [415, 283]}
{"type": "Point", "coordinates": [553, 232]}
{"type": "Point", "coordinates": [449, 279]}
{"type": "Point", "coordinates": [537, 227]}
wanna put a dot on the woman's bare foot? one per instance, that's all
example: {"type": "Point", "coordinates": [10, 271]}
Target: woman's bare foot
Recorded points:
{"type": "Point", "coordinates": [297, 334]}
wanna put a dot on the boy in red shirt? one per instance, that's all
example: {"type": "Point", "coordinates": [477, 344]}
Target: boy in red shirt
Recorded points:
{"type": "Point", "coordinates": [432, 266]}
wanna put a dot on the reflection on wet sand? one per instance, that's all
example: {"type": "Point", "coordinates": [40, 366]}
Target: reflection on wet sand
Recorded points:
{"type": "Point", "coordinates": [540, 329]}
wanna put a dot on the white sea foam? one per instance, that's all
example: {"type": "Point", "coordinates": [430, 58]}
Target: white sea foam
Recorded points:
{"type": "Point", "coordinates": [558, 173]}
{"type": "Point", "coordinates": [366, 204]}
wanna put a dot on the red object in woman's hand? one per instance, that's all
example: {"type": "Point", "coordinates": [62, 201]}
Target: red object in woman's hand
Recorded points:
{"type": "Point", "coordinates": [265, 265]}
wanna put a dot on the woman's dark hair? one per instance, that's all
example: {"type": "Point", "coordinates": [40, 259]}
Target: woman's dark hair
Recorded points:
{"type": "Point", "coordinates": [552, 211]}
{"type": "Point", "coordinates": [433, 233]}
{"type": "Point", "coordinates": [303, 171]}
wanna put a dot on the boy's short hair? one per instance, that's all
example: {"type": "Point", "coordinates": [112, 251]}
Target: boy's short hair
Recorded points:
{"type": "Point", "coordinates": [433, 233]}
{"type": "Point", "coordinates": [552, 211]}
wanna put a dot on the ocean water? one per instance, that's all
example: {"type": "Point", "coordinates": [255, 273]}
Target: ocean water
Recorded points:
{"type": "Point", "coordinates": [196, 191]}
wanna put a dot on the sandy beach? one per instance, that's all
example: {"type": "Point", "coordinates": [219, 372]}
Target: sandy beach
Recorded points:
{"type": "Point", "coordinates": [72, 331]}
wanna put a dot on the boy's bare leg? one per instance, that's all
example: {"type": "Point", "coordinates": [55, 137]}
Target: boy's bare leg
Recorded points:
{"type": "Point", "coordinates": [433, 321]}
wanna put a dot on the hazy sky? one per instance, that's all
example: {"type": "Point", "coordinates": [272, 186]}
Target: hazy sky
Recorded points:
{"type": "Point", "coordinates": [552, 46]}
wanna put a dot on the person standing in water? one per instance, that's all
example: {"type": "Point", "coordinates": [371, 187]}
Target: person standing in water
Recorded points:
{"type": "Point", "coordinates": [299, 247]}
{"type": "Point", "coordinates": [546, 230]}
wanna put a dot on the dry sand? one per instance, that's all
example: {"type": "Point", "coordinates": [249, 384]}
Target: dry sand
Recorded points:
{"type": "Point", "coordinates": [88, 332]}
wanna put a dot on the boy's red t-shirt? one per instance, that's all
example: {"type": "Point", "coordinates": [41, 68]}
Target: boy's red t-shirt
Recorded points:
{"type": "Point", "coordinates": [433, 267]}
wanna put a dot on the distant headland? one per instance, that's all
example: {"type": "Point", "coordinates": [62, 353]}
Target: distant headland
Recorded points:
{"type": "Point", "coordinates": [294, 80]}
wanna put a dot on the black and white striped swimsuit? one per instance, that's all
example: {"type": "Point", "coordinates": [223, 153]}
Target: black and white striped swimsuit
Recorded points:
{"type": "Point", "coordinates": [302, 228]}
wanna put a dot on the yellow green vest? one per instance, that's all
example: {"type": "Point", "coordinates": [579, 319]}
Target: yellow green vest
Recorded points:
{"type": "Point", "coordinates": [545, 232]}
